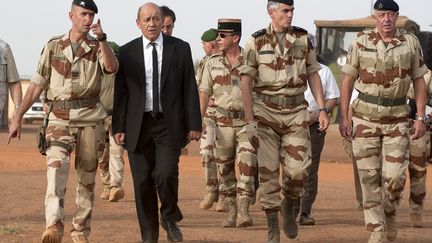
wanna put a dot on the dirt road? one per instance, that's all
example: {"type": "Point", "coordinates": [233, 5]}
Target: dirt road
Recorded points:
{"type": "Point", "coordinates": [23, 182]}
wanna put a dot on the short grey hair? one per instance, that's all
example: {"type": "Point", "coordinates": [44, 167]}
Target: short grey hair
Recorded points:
{"type": "Point", "coordinates": [272, 5]}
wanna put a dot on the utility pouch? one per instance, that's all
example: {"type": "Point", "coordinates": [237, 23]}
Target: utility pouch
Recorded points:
{"type": "Point", "coordinates": [41, 142]}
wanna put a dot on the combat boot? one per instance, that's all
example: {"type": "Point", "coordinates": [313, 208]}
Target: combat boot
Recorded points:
{"type": "Point", "coordinates": [106, 193]}
{"type": "Point", "coordinates": [290, 209]}
{"type": "Point", "coordinates": [221, 205]}
{"type": "Point", "coordinates": [52, 235]}
{"type": "Point", "coordinates": [416, 220]}
{"type": "Point", "coordinates": [116, 193]}
{"type": "Point", "coordinates": [231, 207]}
{"type": "Point", "coordinates": [273, 235]}
{"type": "Point", "coordinates": [243, 217]}
{"type": "Point", "coordinates": [80, 239]}
{"type": "Point", "coordinates": [376, 237]}
{"type": "Point", "coordinates": [391, 230]}
{"type": "Point", "coordinates": [209, 199]}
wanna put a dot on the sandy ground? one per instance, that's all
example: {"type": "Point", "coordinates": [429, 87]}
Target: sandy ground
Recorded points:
{"type": "Point", "coordinates": [23, 182]}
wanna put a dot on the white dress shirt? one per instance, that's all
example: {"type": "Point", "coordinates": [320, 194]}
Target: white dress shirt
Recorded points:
{"type": "Point", "coordinates": [330, 88]}
{"type": "Point", "coordinates": [148, 64]}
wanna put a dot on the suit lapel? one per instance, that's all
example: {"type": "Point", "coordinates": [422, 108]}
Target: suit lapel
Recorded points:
{"type": "Point", "coordinates": [137, 51]}
{"type": "Point", "coordinates": [167, 56]}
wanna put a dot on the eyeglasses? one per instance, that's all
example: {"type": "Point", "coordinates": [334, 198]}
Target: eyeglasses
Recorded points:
{"type": "Point", "coordinates": [223, 35]}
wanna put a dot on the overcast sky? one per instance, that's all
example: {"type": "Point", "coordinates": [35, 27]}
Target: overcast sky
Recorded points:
{"type": "Point", "coordinates": [28, 25]}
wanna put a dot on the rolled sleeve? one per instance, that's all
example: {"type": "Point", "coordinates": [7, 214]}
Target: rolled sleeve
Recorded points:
{"type": "Point", "coordinates": [352, 63]}
{"type": "Point", "coordinates": [419, 68]}
{"type": "Point", "coordinates": [11, 72]}
{"type": "Point", "coordinates": [250, 67]}
{"type": "Point", "coordinates": [43, 72]}
{"type": "Point", "coordinates": [206, 85]}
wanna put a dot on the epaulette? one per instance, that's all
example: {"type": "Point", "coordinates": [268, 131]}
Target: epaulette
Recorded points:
{"type": "Point", "coordinates": [259, 33]}
{"type": "Point", "coordinates": [295, 28]}
{"type": "Point", "coordinates": [215, 55]}
{"type": "Point", "coordinates": [55, 38]}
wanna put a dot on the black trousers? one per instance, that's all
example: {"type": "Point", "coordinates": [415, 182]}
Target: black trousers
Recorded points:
{"type": "Point", "coordinates": [154, 167]}
{"type": "Point", "coordinates": [311, 181]}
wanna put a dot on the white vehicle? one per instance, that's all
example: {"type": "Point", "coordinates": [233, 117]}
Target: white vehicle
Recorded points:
{"type": "Point", "coordinates": [35, 112]}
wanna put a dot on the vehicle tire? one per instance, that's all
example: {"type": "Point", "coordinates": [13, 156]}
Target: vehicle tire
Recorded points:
{"type": "Point", "coordinates": [425, 38]}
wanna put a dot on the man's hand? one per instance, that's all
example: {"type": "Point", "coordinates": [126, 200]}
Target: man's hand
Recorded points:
{"type": "Point", "coordinates": [120, 138]}
{"type": "Point", "coordinates": [345, 128]}
{"type": "Point", "coordinates": [14, 130]}
{"type": "Point", "coordinates": [211, 102]}
{"type": "Point", "coordinates": [418, 130]}
{"type": "Point", "coordinates": [323, 121]}
{"type": "Point", "coordinates": [97, 29]}
{"type": "Point", "coordinates": [194, 135]}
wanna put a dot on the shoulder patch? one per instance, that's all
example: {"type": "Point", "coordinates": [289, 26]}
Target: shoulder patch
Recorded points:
{"type": "Point", "coordinates": [295, 28]}
{"type": "Point", "coordinates": [259, 33]}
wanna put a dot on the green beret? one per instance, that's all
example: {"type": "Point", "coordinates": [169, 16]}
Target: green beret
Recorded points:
{"type": "Point", "coordinates": [114, 47]}
{"type": "Point", "coordinates": [209, 35]}
{"type": "Point", "coordinates": [87, 4]}
{"type": "Point", "coordinates": [287, 2]}
{"type": "Point", "coordinates": [386, 5]}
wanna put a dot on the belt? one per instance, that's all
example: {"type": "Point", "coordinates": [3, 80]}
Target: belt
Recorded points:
{"type": "Point", "coordinates": [154, 116]}
{"type": "Point", "coordinates": [231, 114]}
{"type": "Point", "coordinates": [378, 100]}
{"type": "Point", "coordinates": [282, 100]}
{"type": "Point", "coordinates": [74, 104]}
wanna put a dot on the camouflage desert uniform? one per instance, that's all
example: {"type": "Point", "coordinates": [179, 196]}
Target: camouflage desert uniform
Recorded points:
{"type": "Point", "coordinates": [385, 72]}
{"type": "Point", "coordinates": [8, 73]}
{"type": "Point", "coordinates": [208, 139]}
{"type": "Point", "coordinates": [280, 109]}
{"type": "Point", "coordinates": [111, 163]}
{"type": "Point", "coordinates": [222, 80]}
{"type": "Point", "coordinates": [72, 82]}
{"type": "Point", "coordinates": [419, 155]}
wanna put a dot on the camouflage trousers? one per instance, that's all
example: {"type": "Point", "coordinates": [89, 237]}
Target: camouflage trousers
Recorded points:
{"type": "Point", "coordinates": [284, 141]}
{"type": "Point", "coordinates": [207, 155]}
{"type": "Point", "coordinates": [88, 143]}
{"type": "Point", "coordinates": [111, 163]}
{"type": "Point", "coordinates": [380, 151]}
{"type": "Point", "coordinates": [232, 141]}
{"type": "Point", "coordinates": [419, 151]}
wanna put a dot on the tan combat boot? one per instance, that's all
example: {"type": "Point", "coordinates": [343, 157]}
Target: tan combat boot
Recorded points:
{"type": "Point", "coordinates": [289, 209]}
{"type": "Point", "coordinates": [221, 205]}
{"type": "Point", "coordinates": [80, 239]}
{"type": "Point", "coordinates": [106, 193]}
{"type": "Point", "coordinates": [209, 199]}
{"type": "Point", "coordinates": [243, 217]}
{"type": "Point", "coordinates": [416, 220]}
{"type": "Point", "coordinates": [273, 235]}
{"type": "Point", "coordinates": [376, 237]}
{"type": "Point", "coordinates": [391, 230]}
{"type": "Point", "coordinates": [231, 205]}
{"type": "Point", "coordinates": [116, 193]}
{"type": "Point", "coordinates": [52, 235]}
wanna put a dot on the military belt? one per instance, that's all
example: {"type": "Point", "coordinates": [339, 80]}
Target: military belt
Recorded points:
{"type": "Point", "coordinates": [378, 100]}
{"type": "Point", "coordinates": [74, 104]}
{"type": "Point", "coordinates": [231, 114]}
{"type": "Point", "coordinates": [282, 100]}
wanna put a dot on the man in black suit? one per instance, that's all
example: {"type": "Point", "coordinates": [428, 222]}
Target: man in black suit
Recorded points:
{"type": "Point", "coordinates": [156, 113]}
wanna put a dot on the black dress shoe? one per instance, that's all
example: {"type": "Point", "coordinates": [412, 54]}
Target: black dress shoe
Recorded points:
{"type": "Point", "coordinates": [174, 234]}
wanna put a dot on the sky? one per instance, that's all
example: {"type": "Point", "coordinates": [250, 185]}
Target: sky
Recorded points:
{"type": "Point", "coordinates": [28, 25]}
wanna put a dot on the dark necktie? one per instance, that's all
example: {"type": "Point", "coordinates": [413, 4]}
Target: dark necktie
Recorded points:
{"type": "Point", "coordinates": [155, 81]}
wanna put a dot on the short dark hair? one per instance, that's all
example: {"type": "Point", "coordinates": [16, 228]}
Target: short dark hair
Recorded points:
{"type": "Point", "coordinates": [167, 12]}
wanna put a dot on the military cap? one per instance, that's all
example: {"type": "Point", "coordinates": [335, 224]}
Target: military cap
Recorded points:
{"type": "Point", "coordinates": [209, 35]}
{"type": "Point", "coordinates": [114, 47]}
{"type": "Point", "coordinates": [287, 2]}
{"type": "Point", "coordinates": [386, 5]}
{"type": "Point", "coordinates": [229, 25]}
{"type": "Point", "coordinates": [87, 4]}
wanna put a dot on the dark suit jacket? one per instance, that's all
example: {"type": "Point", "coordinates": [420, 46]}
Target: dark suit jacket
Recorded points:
{"type": "Point", "coordinates": [178, 94]}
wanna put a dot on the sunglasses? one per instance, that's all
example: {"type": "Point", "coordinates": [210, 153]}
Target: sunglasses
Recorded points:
{"type": "Point", "coordinates": [223, 35]}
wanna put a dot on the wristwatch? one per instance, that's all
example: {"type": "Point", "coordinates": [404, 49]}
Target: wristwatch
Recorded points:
{"type": "Point", "coordinates": [425, 119]}
{"type": "Point", "coordinates": [323, 109]}
{"type": "Point", "coordinates": [102, 38]}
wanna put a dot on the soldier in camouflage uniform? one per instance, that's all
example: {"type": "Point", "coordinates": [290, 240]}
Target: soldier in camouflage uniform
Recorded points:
{"type": "Point", "coordinates": [419, 155]}
{"type": "Point", "coordinates": [70, 68]}
{"type": "Point", "coordinates": [9, 78]}
{"type": "Point", "coordinates": [282, 60]}
{"type": "Point", "coordinates": [111, 163]}
{"type": "Point", "coordinates": [222, 80]}
{"type": "Point", "coordinates": [383, 62]}
{"type": "Point", "coordinates": [208, 135]}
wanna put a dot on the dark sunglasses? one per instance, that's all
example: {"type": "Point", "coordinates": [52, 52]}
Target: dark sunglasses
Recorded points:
{"type": "Point", "coordinates": [223, 35]}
